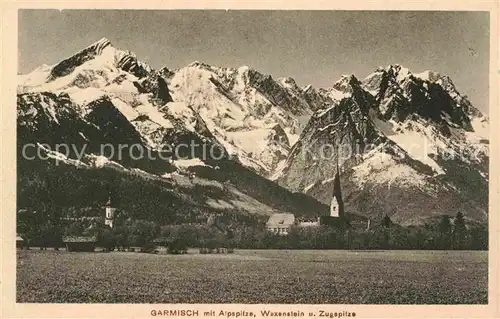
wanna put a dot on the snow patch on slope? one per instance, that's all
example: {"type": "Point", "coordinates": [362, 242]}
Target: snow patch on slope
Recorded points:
{"type": "Point", "coordinates": [381, 168]}
{"type": "Point", "coordinates": [479, 139]}
{"type": "Point", "coordinates": [180, 111]}
{"type": "Point", "coordinates": [184, 163]}
{"type": "Point", "coordinates": [154, 115]}
{"type": "Point", "coordinates": [418, 142]}
{"type": "Point", "coordinates": [241, 107]}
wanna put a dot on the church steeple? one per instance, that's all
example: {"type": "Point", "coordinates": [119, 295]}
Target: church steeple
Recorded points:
{"type": "Point", "coordinates": [109, 212]}
{"type": "Point", "coordinates": [337, 204]}
{"type": "Point", "coordinates": [108, 203]}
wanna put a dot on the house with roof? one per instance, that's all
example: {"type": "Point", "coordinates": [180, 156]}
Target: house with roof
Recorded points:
{"type": "Point", "coordinates": [80, 243]}
{"type": "Point", "coordinates": [281, 223]}
{"type": "Point", "coordinates": [309, 221]}
{"type": "Point", "coordinates": [19, 242]}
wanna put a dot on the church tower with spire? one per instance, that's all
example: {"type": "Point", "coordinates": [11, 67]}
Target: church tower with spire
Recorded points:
{"type": "Point", "coordinates": [110, 212]}
{"type": "Point", "coordinates": [337, 204]}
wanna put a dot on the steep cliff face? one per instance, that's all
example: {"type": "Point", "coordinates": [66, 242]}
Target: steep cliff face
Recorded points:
{"type": "Point", "coordinates": [410, 146]}
{"type": "Point", "coordinates": [119, 117]}
{"type": "Point", "coordinates": [241, 107]}
{"type": "Point", "coordinates": [245, 108]}
{"type": "Point", "coordinates": [345, 126]}
{"type": "Point", "coordinates": [103, 52]}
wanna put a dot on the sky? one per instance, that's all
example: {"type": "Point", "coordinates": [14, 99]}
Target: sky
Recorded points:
{"type": "Point", "coordinates": [313, 47]}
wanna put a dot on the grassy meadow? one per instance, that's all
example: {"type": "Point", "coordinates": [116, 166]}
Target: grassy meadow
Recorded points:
{"type": "Point", "coordinates": [255, 276]}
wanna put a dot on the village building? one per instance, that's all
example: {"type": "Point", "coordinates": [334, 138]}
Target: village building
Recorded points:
{"type": "Point", "coordinates": [337, 217]}
{"type": "Point", "coordinates": [109, 213]}
{"type": "Point", "coordinates": [169, 246]}
{"type": "Point", "coordinates": [308, 221]}
{"type": "Point", "coordinates": [19, 242]}
{"type": "Point", "coordinates": [337, 203]}
{"type": "Point", "coordinates": [80, 243]}
{"type": "Point", "coordinates": [87, 219]}
{"type": "Point", "coordinates": [92, 221]}
{"type": "Point", "coordinates": [217, 250]}
{"type": "Point", "coordinates": [280, 224]}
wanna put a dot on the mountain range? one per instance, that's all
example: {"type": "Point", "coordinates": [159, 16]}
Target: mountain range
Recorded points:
{"type": "Point", "coordinates": [409, 145]}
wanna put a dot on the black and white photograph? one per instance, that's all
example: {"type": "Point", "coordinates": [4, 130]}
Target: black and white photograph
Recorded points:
{"type": "Point", "coordinates": [294, 157]}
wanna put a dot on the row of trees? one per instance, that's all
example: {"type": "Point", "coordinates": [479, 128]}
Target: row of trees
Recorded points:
{"type": "Point", "coordinates": [447, 233]}
{"type": "Point", "coordinates": [444, 235]}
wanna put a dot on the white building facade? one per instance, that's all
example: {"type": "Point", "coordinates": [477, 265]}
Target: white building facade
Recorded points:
{"type": "Point", "coordinates": [280, 224]}
{"type": "Point", "coordinates": [109, 213]}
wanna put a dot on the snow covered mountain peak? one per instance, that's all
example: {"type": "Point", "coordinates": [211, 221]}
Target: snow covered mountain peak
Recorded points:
{"type": "Point", "coordinates": [98, 60]}
{"type": "Point", "coordinates": [399, 74]}
{"type": "Point", "coordinates": [392, 73]}
{"type": "Point", "coordinates": [69, 64]}
{"type": "Point", "coordinates": [200, 64]}
{"type": "Point", "coordinates": [287, 81]}
{"type": "Point", "coordinates": [346, 83]}
{"type": "Point", "coordinates": [428, 136]}
{"type": "Point", "coordinates": [101, 43]}
{"type": "Point", "coordinates": [243, 69]}
{"type": "Point", "coordinates": [273, 126]}
{"type": "Point", "coordinates": [428, 75]}
{"type": "Point", "coordinates": [430, 95]}
{"type": "Point", "coordinates": [255, 116]}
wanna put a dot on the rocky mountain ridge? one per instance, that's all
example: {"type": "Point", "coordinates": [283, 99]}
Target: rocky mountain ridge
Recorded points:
{"type": "Point", "coordinates": [410, 146]}
{"type": "Point", "coordinates": [400, 128]}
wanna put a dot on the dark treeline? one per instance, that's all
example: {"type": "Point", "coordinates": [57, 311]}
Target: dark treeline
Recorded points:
{"type": "Point", "coordinates": [61, 200]}
{"type": "Point", "coordinates": [47, 230]}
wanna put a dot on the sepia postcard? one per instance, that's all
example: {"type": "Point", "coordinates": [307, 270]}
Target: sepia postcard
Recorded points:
{"type": "Point", "coordinates": [250, 160]}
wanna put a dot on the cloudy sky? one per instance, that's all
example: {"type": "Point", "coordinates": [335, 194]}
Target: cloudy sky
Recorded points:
{"type": "Point", "coordinates": [314, 47]}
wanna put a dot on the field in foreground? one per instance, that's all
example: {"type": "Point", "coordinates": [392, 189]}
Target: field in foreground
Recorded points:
{"type": "Point", "coordinates": [265, 276]}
